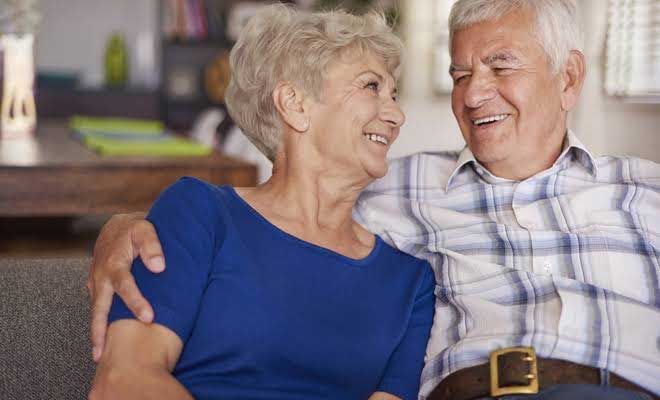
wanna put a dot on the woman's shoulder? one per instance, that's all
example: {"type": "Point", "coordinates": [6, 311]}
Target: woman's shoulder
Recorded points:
{"type": "Point", "coordinates": [195, 191]}
{"type": "Point", "coordinates": [197, 186]}
{"type": "Point", "coordinates": [191, 199]}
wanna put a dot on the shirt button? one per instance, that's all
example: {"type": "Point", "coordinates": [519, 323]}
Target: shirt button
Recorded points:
{"type": "Point", "coordinates": [547, 267]}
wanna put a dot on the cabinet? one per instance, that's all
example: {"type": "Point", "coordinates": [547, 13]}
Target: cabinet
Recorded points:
{"type": "Point", "coordinates": [192, 37]}
{"type": "Point", "coordinates": [195, 47]}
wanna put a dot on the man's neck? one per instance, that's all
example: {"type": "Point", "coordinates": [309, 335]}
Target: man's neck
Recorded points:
{"type": "Point", "coordinates": [521, 168]}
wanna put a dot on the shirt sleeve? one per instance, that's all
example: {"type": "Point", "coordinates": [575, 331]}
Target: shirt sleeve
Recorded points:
{"type": "Point", "coordinates": [189, 226]}
{"type": "Point", "coordinates": [402, 375]}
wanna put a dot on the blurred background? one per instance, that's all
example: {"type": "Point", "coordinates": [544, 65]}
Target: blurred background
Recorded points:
{"type": "Point", "coordinates": [74, 33]}
{"type": "Point", "coordinates": [166, 60]}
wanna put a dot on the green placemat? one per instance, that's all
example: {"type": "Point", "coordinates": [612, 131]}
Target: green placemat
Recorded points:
{"type": "Point", "coordinates": [171, 146]}
{"type": "Point", "coordinates": [116, 125]}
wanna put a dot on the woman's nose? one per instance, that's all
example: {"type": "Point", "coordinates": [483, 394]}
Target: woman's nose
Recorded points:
{"type": "Point", "coordinates": [392, 114]}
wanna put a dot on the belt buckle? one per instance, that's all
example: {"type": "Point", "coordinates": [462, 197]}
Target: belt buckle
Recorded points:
{"type": "Point", "coordinates": [531, 388]}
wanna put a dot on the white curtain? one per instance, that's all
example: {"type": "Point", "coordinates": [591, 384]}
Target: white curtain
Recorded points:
{"type": "Point", "coordinates": [633, 50]}
{"type": "Point", "coordinates": [442, 82]}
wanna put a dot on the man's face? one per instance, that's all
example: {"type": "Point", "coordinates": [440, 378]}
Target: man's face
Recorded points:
{"type": "Point", "coordinates": [506, 97]}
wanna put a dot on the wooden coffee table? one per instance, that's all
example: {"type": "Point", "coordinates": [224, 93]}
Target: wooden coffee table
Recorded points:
{"type": "Point", "coordinates": [53, 175]}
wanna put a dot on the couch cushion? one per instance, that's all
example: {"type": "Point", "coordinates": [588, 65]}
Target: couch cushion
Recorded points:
{"type": "Point", "coordinates": [44, 330]}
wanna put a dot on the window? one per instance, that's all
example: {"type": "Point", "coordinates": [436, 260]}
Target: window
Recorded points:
{"type": "Point", "coordinates": [633, 50]}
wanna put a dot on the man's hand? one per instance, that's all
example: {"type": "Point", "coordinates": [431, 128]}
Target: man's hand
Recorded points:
{"type": "Point", "coordinates": [122, 239]}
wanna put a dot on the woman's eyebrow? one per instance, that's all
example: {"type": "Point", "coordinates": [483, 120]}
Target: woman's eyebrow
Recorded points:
{"type": "Point", "coordinates": [369, 71]}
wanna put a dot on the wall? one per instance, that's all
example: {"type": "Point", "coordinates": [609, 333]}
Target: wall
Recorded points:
{"type": "Point", "coordinates": [73, 36]}
{"type": "Point", "coordinates": [606, 125]}
{"type": "Point", "coordinates": [430, 124]}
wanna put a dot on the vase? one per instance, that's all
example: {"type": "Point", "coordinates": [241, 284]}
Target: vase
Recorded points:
{"type": "Point", "coordinates": [116, 62]}
{"type": "Point", "coordinates": [18, 114]}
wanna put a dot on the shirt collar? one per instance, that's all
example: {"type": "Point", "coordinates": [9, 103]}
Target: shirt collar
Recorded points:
{"type": "Point", "coordinates": [572, 148]}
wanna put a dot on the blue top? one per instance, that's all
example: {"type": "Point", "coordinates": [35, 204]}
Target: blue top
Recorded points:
{"type": "Point", "coordinates": [265, 315]}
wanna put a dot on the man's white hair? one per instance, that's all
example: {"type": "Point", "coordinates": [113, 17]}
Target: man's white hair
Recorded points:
{"type": "Point", "coordinates": [281, 43]}
{"type": "Point", "coordinates": [557, 22]}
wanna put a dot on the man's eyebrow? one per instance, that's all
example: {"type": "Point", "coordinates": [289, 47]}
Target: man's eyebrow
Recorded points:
{"type": "Point", "coordinates": [453, 68]}
{"type": "Point", "coordinates": [505, 56]}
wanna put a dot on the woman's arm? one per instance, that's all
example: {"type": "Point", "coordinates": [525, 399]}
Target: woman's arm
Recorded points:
{"type": "Point", "coordinates": [137, 363]}
{"type": "Point", "coordinates": [402, 374]}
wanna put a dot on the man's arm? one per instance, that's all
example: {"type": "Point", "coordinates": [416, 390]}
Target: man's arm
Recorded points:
{"type": "Point", "coordinates": [138, 362]}
{"type": "Point", "coordinates": [122, 239]}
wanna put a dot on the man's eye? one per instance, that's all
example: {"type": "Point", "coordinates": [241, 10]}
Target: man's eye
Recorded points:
{"type": "Point", "coordinates": [372, 86]}
{"type": "Point", "coordinates": [459, 78]}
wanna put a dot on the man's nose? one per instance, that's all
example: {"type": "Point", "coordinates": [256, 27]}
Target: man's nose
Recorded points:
{"type": "Point", "coordinates": [481, 88]}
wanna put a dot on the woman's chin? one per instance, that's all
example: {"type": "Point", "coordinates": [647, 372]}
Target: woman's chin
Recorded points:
{"type": "Point", "coordinates": [377, 170]}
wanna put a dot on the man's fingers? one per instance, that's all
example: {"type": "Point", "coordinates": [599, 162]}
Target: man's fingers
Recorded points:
{"type": "Point", "coordinates": [148, 247]}
{"type": "Point", "coordinates": [130, 294]}
{"type": "Point", "coordinates": [90, 281]}
{"type": "Point", "coordinates": [100, 309]}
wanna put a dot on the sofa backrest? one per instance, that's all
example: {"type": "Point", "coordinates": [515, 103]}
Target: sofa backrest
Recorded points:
{"type": "Point", "coordinates": [44, 330]}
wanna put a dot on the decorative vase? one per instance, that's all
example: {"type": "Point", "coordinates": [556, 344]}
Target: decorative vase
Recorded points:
{"type": "Point", "coordinates": [116, 62]}
{"type": "Point", "coordinates": [18, 116]}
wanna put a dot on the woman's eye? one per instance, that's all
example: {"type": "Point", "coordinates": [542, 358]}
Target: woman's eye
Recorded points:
{"type": "Point", "coordinates": [372, 86]}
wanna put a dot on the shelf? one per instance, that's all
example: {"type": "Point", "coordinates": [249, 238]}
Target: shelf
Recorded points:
{"type": "Point", "coordinates": [186, 43]}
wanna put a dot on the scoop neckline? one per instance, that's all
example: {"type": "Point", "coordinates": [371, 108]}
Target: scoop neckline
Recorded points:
{"type": "Point", "coordinates": [354, 261]}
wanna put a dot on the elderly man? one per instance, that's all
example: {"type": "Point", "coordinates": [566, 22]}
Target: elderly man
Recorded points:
{"type": "Point", "coordinates": [546, 257]}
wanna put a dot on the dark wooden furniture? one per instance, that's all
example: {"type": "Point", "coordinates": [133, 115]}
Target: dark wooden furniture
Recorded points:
{"type": "Point", "coordinates": [101, 102]}
{"type": "Point", "coordinates": [53, 175]}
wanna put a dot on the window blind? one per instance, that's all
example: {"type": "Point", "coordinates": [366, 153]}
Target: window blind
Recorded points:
{"type": "Point", "coordinates": [633, 50]}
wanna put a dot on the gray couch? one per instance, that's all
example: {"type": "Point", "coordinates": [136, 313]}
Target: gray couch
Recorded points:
{"type": "Point", "coordinates": [44, 331]}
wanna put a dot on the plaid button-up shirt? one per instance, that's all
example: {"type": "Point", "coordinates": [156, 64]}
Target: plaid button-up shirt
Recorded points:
{"type": "Point", "coordinates": [565, 261]}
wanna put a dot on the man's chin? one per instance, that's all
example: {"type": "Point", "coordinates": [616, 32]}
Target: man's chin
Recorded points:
{"type": "Point", "coordinates": [488, 156]}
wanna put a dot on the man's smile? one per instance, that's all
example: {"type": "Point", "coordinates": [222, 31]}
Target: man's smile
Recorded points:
{"type": "Point", "coordinates": [489, 120]}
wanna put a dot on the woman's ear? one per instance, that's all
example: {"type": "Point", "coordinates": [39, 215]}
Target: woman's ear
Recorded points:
{"type": "Point", "coordinates": [290, 103]}
{"type": "Point", "coordinates": [573, 75]}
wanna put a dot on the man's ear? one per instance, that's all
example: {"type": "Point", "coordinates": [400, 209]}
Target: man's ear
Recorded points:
{"type": "Point", "coordinates": [290, 103]}
{"type": "Point", "coordinates": [573, 74]}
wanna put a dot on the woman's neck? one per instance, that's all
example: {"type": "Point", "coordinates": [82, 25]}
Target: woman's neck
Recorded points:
{"type": "Point", "coordinates": [314, 203]}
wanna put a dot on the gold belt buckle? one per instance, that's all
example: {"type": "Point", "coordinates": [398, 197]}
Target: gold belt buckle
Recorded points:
{"type": "Point", "coordinates": [531, 388]}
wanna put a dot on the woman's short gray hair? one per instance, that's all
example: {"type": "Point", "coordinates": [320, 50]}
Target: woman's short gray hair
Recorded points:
{"type": "Point", "coordinates": [281, 43]}
{"type": "Point", "coordinates": [557, 24]}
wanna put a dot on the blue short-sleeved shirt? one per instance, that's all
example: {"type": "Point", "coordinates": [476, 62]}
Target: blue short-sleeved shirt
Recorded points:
{"type": "Point", "coordinates": [265, 315]}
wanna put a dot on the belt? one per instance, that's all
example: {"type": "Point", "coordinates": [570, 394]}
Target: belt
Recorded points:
{"type": "Point", "coordinates": [517, 370]}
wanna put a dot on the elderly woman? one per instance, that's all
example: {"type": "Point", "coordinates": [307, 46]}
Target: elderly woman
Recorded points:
{"type": "Point", "coordinates": [275, 292]}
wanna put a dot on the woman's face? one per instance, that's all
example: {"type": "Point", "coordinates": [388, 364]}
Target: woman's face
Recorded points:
{"type": "Point", "coordinates": [357, 117]}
